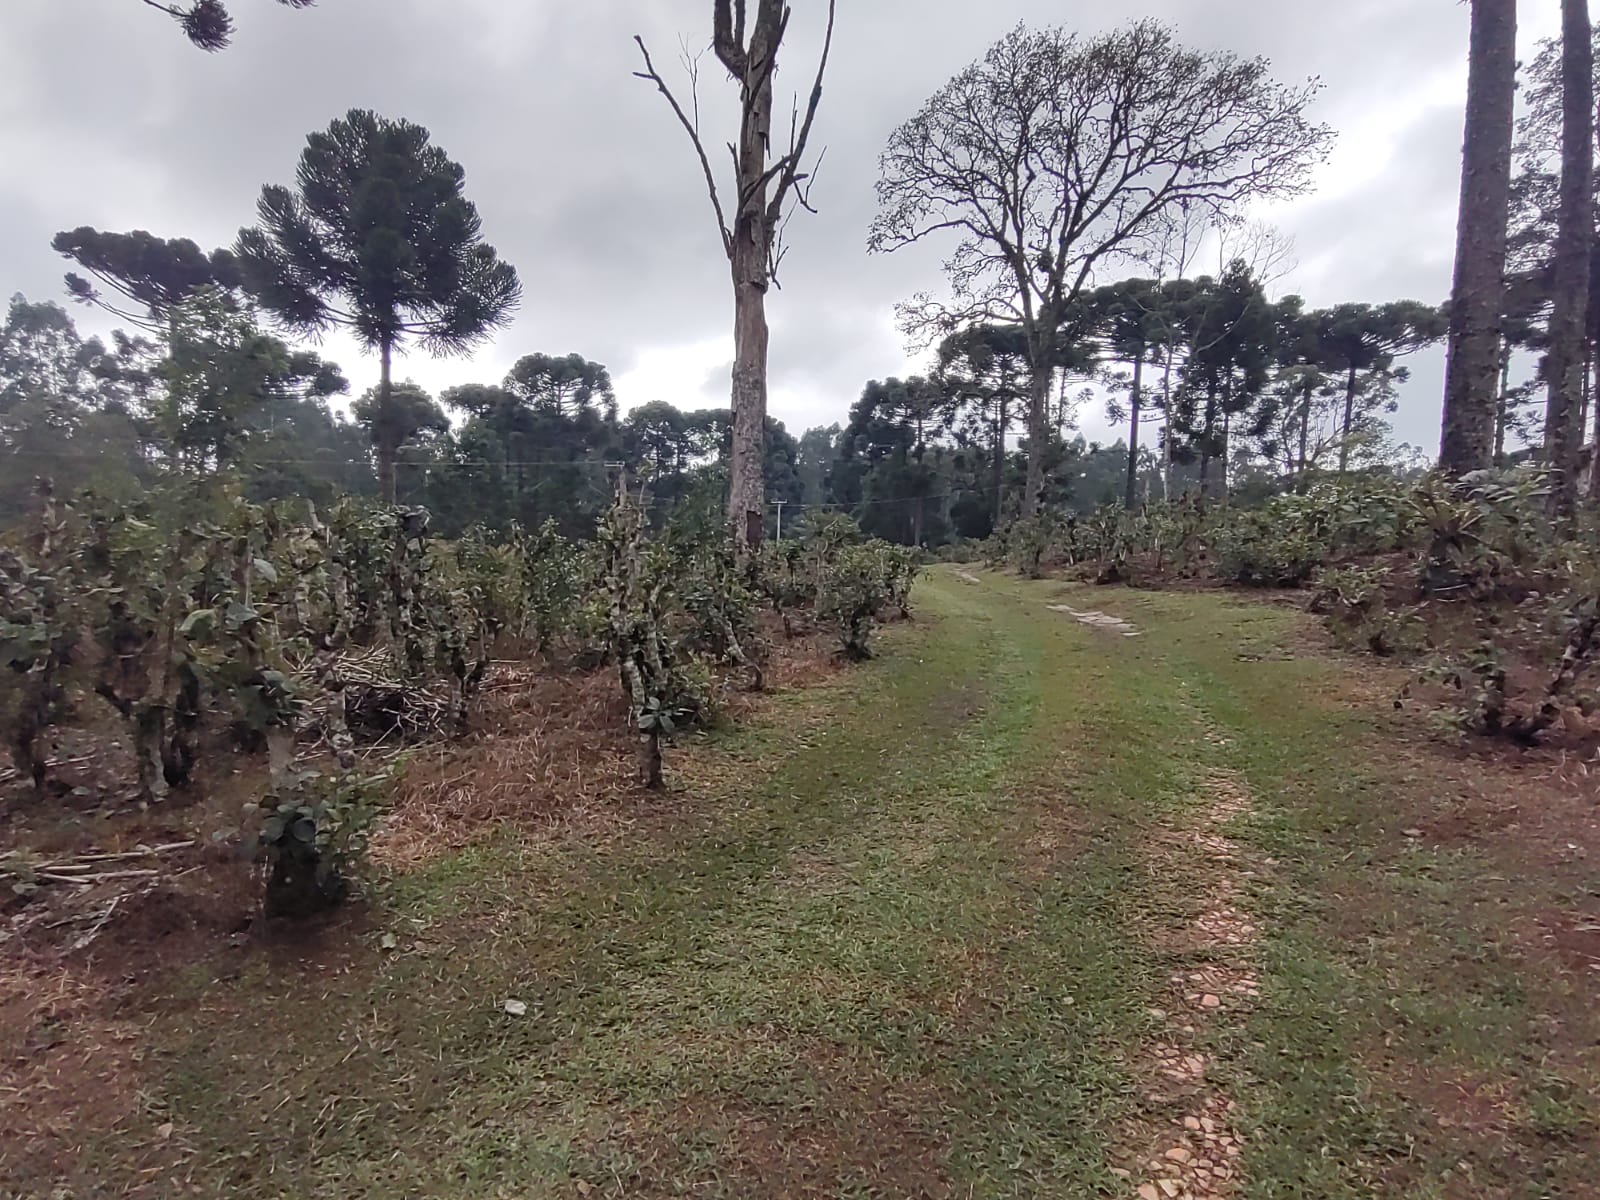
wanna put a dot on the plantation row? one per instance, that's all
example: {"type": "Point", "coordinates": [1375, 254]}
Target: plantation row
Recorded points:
{"type": "Point", "coordinates": [1385, 559]}
{"type": "Point", "coordinates": [198, 620]}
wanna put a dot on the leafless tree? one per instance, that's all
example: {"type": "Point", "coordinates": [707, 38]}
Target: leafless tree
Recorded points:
{"type": "Point", "coordinates": [750, 225]}
{"type": "Point", "coordinates": [1263, 247]}
{"type": "Point", "coordinates": [1054, 156]}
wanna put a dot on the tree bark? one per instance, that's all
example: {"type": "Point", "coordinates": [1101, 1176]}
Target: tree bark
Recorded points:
{"type": "Point", "coordinates": [1207, 452]}
{"type": "Point", "coordinates": [1349, 420]}
{"type": "Point", "coordinates": [383, 427]}
{"type": "Point", "coordinates": [1038, 431]}
{"type": "Point", "coordinates": [1000, 414]}
{"type": "Point", "coordinates": [1222, 459]}
{"type": "Point", "coordinates": [1502, 405]}
{"type": "Point", "coordinates": [750, 254]}
{"type": "Point", "coordinates": [1594, 445]}
{"type": "Point", "coordinates": [1467, 433]}
{"type": "Point", "coordinates": [1131, 496]}
{"type": "Point", "coordinates": [1563, 429]}
{"type": "Point", "coordinates": [650, 776]}
{"type": "Point", "coordinates": [746, 484]}
{"type": "Point", "coordinates": [1167, 435]}
{"type": "Point", "coordinates": [1588, 389]}
{"type": "Point", "coordinates": [1305, 438]}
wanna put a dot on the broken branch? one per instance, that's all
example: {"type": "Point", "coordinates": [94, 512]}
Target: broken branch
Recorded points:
{"type": "Point", "coordinates": [652, 75]}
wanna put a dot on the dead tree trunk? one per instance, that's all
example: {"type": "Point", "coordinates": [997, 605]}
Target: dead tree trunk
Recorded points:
{"type": "Point", "coordinates": [1467, 438]}
{"type": "Point", "coordinates": [752, 257]}
{"type": "Point", "coordinates": [746, 474]}
{"type": "Point", "coordinates": [752, 240]}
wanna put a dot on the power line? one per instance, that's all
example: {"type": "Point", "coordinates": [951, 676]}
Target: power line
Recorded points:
{"type": "Point", "coordinates": [88, 456]}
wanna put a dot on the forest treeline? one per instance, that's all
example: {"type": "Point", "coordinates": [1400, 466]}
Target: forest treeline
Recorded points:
{"type": "Point", "coordinates": [1261, 394]}
{"type": "Point", "coordinates": [1222, 389]}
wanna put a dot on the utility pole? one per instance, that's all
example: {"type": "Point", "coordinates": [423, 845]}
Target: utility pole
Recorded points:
{"type": "Point", "coordinates": [780, 504]}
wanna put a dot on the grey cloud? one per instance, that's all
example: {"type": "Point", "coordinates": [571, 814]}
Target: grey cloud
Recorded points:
{"type": "Point", "coordinates": [587, 184]}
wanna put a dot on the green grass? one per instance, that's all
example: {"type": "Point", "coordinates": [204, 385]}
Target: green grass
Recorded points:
{"type": "Point", "coordinates": [908, 955]}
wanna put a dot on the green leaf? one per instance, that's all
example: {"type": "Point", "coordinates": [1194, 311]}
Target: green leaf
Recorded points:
{"type": "Point", "coordinates": [199, 622]}
{"type": "Point", "coordinates": [240, 615]}
{"type": "Point", "coordinates": [265, 569]}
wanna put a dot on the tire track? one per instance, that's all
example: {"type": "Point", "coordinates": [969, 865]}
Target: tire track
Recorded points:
{"type": "Point", "coordinates": [1195, 1154]}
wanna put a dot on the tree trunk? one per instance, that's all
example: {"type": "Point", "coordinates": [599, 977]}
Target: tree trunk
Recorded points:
{"type": "Point", "coordinates": [383, 428]}
{"type": "Point", "coordinates": [1563, 428]}
{"type": "Point", "coordinates": [746, 491]}
{"type": "Point", "coordinates": [999, 458]}
{"type": "Point", "coordinates": [1467, 435]}
{"type": "Point", "coordinates": [1038, 430]}
{"type": "Point", "coordinates": [1587, 392]}
{"type": "Point", "coordinates": [1131, 497]}
{"type": "Point", "coordinates": [1305, 438]}
{"type": "Point", "coordinates": [301, 884]}
{"type": "Point", "coordinates": [1227, 448]}
{"type": "Point", "coordinates": [149, 736]}
{"type": "Point", "coordinates": [1167, 437]}
{"type": "Point", "coordinates": [1594, 445]}
{"type": "Point", "coordinates": [750, 254]}
{"type": "Point", "coordinates": [1349, 420]}
{"type": "Point", "coordinates": [650, 776]}
{"type": "Point", "coordinates": [1502, 407]}
{"type": "Point", "coordinates": [1207, 451]}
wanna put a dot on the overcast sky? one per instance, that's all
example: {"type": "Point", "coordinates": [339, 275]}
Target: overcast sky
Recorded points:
{"type": "Point", "coordinates": [108, 117]}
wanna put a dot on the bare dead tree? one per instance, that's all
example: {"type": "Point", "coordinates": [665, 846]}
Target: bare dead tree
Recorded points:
{"type": "Point", "coordinates": [766, 192]}
{"type": "Point", "coordinates": [1054, 156]}
{"type": "Point", "coordinates": [1264, 248]}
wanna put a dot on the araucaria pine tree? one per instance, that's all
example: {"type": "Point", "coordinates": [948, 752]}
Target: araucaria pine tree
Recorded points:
{"type": "Point", "coordinates": [377, 237]}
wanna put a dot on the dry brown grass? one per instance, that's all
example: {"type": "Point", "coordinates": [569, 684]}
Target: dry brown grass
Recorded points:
{"type": "Point", "coordinates": [545, 744]}
{"type": "Point", "coordinates": [69, 1070]}
{"type": "Point", "coordinates": [550, 748]}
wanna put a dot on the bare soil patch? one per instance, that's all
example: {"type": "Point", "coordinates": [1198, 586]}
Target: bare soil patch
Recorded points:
{"type": "Point", "coordinates": [1188, 1146]}
{"type": "Point", "coordinates": [1097, 620]}
{"type": "Point", "coordinates": [860, 1133]}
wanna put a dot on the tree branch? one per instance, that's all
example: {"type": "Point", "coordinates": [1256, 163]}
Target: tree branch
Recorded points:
{"type": "Point", "coordinates": [728, 36]}
{"type": "Point", "coordinates": [797, 142]}
{"type": "Point", "coordinates": [692, 129]}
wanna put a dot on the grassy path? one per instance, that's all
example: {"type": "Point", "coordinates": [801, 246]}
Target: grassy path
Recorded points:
{"type": "Point", "coordinates": [925, 950]}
